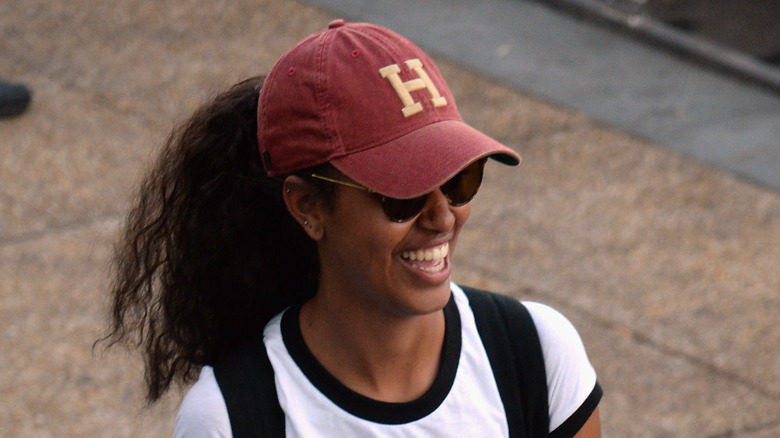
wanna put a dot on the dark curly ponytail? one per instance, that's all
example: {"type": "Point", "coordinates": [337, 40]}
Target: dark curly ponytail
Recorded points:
{"type": "Point", "coordinates": [210, 252]}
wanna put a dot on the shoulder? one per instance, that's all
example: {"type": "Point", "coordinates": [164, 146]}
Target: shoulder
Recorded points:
{"type": "Point", "coordinates": [561, 343]}
{"type": "Point", "coordinates": [203, 413]}
{"type": "Point", "coordinates": [571, 379]}
{"type": "Point", "coordinates": [556, 332]}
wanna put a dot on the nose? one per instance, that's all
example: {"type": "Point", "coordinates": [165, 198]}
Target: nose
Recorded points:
{"type": "Point", "coordinates": [437, 213]}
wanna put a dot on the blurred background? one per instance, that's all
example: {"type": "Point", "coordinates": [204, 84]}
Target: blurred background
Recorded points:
{"type": "Point", "coordinates": [647, 208]}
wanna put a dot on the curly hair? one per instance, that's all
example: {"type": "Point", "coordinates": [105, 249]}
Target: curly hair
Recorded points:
{"type": "Point", "coordinates": [209, 253]}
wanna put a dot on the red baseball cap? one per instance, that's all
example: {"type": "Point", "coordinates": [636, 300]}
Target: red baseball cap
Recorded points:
{"type": "Point", "coordinates": [372, 104]}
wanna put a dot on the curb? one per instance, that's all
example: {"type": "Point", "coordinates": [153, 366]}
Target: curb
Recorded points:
{"type": "Point", "coordinates": [709, 54]}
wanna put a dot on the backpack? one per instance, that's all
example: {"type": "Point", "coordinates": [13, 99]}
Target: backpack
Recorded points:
{"type": "Point", "coordinates": [246, 378]}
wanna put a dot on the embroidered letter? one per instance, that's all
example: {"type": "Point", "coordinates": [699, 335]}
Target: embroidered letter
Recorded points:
{"type": "Point", "coordinates": [404, 89]}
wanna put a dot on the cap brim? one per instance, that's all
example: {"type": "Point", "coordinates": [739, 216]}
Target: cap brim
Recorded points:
{"type": "Point", "coordinates": [417, 163]}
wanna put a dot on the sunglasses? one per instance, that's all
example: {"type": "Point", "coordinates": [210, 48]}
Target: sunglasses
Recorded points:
{"type": "Point", "coordinates": [459, 190]}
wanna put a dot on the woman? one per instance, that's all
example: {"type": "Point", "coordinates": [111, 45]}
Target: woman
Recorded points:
{"type": "Point", "coordinates": [293, 245]}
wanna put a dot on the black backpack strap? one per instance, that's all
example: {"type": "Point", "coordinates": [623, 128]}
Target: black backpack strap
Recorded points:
{"type": "Point", "coordinates": [519, 371]}
{"type": "Point", "coordinates": [246, 379]}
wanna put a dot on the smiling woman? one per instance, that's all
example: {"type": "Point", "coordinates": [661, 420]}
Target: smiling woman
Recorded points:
{"type": "Point", "coordinates": [292, 252]}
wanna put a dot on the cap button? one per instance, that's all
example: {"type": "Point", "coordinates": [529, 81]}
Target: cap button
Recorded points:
{"type": "Point", "coordinates": [336, 23]}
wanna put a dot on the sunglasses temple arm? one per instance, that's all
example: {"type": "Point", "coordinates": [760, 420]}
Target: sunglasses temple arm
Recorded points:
{"type": "Point", "coordinates": [343, 183]}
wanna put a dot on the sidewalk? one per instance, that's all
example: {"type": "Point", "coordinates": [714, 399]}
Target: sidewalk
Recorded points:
{"type": "Point", "coordinates": [668, 267]}
{"type": "Point", "coordinates": [625, 83]}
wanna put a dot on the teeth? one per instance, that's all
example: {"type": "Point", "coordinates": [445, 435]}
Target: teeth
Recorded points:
{"type": "Point", "coordinates": [428, 255]}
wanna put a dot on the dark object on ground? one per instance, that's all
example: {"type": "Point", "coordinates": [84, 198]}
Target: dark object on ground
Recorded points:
{"type": "Point", "coordinates": [14, 99]}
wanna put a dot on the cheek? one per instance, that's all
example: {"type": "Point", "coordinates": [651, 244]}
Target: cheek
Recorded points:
{"type": "Point", "coordinates": [360, 229]}
{"type": "Point", "coordinates": [461, 216]}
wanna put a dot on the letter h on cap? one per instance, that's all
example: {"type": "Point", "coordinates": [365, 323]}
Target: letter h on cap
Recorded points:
{"type": "Point", "coordinates": [404, 89]}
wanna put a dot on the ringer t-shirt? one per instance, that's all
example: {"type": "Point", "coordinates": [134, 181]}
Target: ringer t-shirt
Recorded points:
{"type": "Point", "coordinates": [463, 401]}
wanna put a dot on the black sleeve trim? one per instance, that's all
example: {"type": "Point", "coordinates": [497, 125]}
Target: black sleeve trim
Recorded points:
{"type": "Point", "coordinates": [574, 423]}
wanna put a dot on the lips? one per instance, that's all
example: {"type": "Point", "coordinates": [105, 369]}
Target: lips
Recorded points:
{"type": "Point", "coordinates": [428, 259]}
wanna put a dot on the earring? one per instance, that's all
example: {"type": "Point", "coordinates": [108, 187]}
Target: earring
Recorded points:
{"type": "Point", "coordinates": [306, 222]}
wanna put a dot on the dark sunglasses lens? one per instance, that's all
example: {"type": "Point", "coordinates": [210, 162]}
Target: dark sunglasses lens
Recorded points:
{"type": "Point", "coordinates": [402, 210]}
{"type": "Point", "coordinates": [464, 186]}
{"type": "Point", "coordinates": [459, 190]}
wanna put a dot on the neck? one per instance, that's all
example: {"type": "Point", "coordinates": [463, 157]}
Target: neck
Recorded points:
{"type": "Point", "coordinates": [393, 358]}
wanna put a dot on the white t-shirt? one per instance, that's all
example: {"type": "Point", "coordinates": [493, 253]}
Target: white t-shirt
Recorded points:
{"type": "Point", "coordinates": [458, 397]}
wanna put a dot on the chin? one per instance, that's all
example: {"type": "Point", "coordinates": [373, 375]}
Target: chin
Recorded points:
{"type": "Point", "coordinates": [434, 299]}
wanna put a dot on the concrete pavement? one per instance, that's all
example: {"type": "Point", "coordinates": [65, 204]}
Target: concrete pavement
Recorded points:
{"type": "Point", "coordinates": [668, 267]}
{"type": "Point", "coordinates": [626, 83]}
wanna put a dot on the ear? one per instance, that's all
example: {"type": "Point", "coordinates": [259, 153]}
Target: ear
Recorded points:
{"type": "Point", "coordinates": [304, 203]}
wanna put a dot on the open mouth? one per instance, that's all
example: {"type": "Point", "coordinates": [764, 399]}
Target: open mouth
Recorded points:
{"type": "Point", "coordinates": [429, 259]}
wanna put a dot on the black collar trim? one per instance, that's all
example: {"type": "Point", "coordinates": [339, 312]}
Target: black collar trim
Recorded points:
{"type": "Point", "coordinates": [362, 406]}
